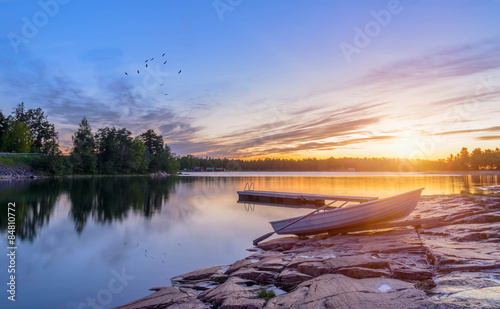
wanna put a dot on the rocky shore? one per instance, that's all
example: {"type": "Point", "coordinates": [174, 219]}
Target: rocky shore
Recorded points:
{"type": "Point", "coordinates": [16, 172]}
{"type": "Point", "coordinates": [451, 264]}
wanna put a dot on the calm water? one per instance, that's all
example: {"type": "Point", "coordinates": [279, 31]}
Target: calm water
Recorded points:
{"type": "Point", "coordinates": [104, 241]}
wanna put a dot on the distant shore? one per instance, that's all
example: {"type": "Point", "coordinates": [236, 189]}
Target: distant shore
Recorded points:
{"type": "Point", "coordinates": [488, 172]}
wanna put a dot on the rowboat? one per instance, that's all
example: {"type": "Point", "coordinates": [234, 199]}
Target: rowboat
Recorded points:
{"type": "Point", "coordinates": [363, 214]}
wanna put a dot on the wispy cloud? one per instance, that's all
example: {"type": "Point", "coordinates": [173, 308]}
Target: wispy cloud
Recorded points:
{"type": "Point", "coordinates": [488, 138]}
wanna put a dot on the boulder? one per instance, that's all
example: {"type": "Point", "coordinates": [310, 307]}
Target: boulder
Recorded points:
{"type": "Point", "coordinates": [339, 291]}
{"type": "Point", "coordinates": [199, 274]}
{"type": "Point", "coordinates": [242, 303]}
{"type": "Point", "coordinates": [163, 297]}
{"type": "Point", "coordinates": [234, 287]}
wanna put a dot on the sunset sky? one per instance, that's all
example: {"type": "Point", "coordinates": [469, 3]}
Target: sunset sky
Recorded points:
{"type": "Point", "coordinates": [259, 78]}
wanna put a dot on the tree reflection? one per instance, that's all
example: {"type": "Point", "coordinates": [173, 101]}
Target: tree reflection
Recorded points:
{"type": "Point", "coordinates": [103, 199]}
{"type": "Point", "coordinates": [109, 199]}
{"type": "Point", "coordinates": [34, 201]}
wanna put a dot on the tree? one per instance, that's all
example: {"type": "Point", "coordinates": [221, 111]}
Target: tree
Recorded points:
{"type": "Point", "coordinates": [4, 123]}
{"type": "Point", "coordinates": [44, 135]}
{"type": "Point", "coordinates": [153, 142]}
{"type": "Point", "coordinates": [476, 159]}
{"type": "Point", "coordinates": [17, 138]}
{"type": "Point", "coordinates": [113, 150]}
{"type": "Point", "coordinates": [138, 160]}
{"type": "Point", "coordinates": [83, 156]}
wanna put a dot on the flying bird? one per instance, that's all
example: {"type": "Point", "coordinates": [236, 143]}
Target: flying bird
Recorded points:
{"type": "Point", "coordinates": [146, 65]}
{"type": "Point", "coordinates": [126, 73]}
{"type": "Point", "coordinates": [137, 71]}
{"type": "Point", "coordinates": [162, 84]}
{"type": "Point", "coordinates": [146, 60]}
{"type": "Point", "coordinates": [163, 54]}
{"type": "Point", "coordinates": [179, 72]}
{"type": "Point", "coordinates": [165, 62]}
{"type": "Point", "coordinates": [151, 59]}
{"type": "Point", "coordinates": [166, 93]}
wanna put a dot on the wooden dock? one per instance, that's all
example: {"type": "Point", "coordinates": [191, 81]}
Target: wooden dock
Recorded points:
{"type": "Point", "coordinates": [290, 198]}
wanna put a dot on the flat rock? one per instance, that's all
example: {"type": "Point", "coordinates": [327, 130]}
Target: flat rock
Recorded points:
{"type": "Point", "coordinates": [362, 272]}
{"type": "Point", "coordinates": [162, 298]}
{"type": "Point", "coordinates": [199, 274]}
{"type": "Point", "coordinates": [242, 303]}
{"type": "Point", "coordinates": [293, 277]}
{"type": "Point", "coordinates": [256, 275]}
{"type": "Point", "coordinates": [234, 287]}
{"type": "Point", "coordinates": [339, 291]}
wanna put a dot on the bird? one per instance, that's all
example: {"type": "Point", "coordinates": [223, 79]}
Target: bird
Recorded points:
{"type": "Point", "coordinates": [137, 71]}
{"type": "Point", "coordinates": [163, 261]}
{"type": "Point", "coordinates": [162, 84]}
{"type": "Point", "coordinates": [166, 93]}
{"type": "Point", "coordinates": [146, 65]}
{"type": "Point", "coordinates": [163, 54]}
{"type": "Point", "coordinates": [165, 62]}
{"type": "Point", "coordinates": [125, 243]}
{"type": "Point", "coordinates": [151, 59]}
{"type": "Point", "coordinates": [126, 73]}
{"type": "Point", "coordinates": [146, 60]}
{"type": "Point", "coordinates": [179, 72]}
{"type": "Point", "coordinates": [179, 244]}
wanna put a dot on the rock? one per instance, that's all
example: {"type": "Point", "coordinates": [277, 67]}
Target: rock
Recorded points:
{"type": "Point", "coordinates": [199, 274]}
{"type": "Point", "coordinates": [314, 269]}
{"type": "Point", "coordinates": [162, 298]}
{"type": "Point", "coordinates": [234, 287]}
{"type": "Point", "coordinates": [339, 291]}
{"type": "Point", "coordinates": [239, 264]}
{"type": "Point", "coordinates": [364, 260]}
{"type": "Point", "coordinates": [481, 218]}
{"type": "Point", "coordinates": [362, 272]}
{"type": "Point", "coordinates": [243, 303]}
{"type": "Point", "coordinates": [454, 265]}
{"type": "Point", "coordinates": [192, 304]}
{"type": "Point", "coordinates": [256, 275]}
{"type": "Point", "coordinates": [412, 274]}
{"type": "Point", "coordinates": [293, 277]}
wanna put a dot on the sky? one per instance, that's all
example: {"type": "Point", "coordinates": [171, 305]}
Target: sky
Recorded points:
{"type": "Point", "coordinates": [292, 79]}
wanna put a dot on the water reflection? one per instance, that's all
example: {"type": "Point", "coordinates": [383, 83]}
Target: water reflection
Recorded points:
{"type": "Point", "coordinates": [108, 199]}
{"type": "Point", "coordinates": [75, 231]}
{"type": "Point", "coordinates": [103, 199]}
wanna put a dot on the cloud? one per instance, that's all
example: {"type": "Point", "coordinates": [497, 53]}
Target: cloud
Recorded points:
{"type": "Point", "coordinates": [438, 65]}
{"type": "Point", "coordinates": [490, 129]}
{"type": "Point", "coordinates": [488, 138]}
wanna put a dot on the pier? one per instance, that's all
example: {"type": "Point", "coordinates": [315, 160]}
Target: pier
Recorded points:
{"type": "Point", "coordinates": [290, 198]}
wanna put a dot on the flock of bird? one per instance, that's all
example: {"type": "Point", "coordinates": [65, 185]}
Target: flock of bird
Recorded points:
{"type": "Point", "coordinates": [146, 64]}
{"type": "Point", "coordinates": [150, 256]}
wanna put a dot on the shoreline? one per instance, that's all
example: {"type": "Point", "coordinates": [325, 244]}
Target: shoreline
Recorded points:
{"type": "Point", "coordinates": [451, 264]}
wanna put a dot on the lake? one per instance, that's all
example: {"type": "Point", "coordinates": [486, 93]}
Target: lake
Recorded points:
{"type": "Point", "coordinates": [90, 242]}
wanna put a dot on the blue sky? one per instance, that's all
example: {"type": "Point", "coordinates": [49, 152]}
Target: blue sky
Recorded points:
{"type": "Point", "coordinates": [416, 79]}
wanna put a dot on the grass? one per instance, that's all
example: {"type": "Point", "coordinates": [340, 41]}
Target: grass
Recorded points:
{"type": "Point", "coordinates": [18, 160]}
{"type": "Point", "coordinates": [265, 294]}
{"type": "Point", "coordinates": [426, 285]}
{"type": "Point", "coordinates": [221, 280]}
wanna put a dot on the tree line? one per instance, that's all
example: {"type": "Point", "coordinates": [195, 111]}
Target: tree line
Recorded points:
{"type": "Point", "coordinates": [463, 161]}
{"type": "Point", "coordinates": [112, 150]}
{"type": "Point", "coordinates": [109, 151]}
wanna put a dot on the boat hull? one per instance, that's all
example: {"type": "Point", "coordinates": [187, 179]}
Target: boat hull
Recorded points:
{"type": "Point", "coordinates": [383, 210]}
